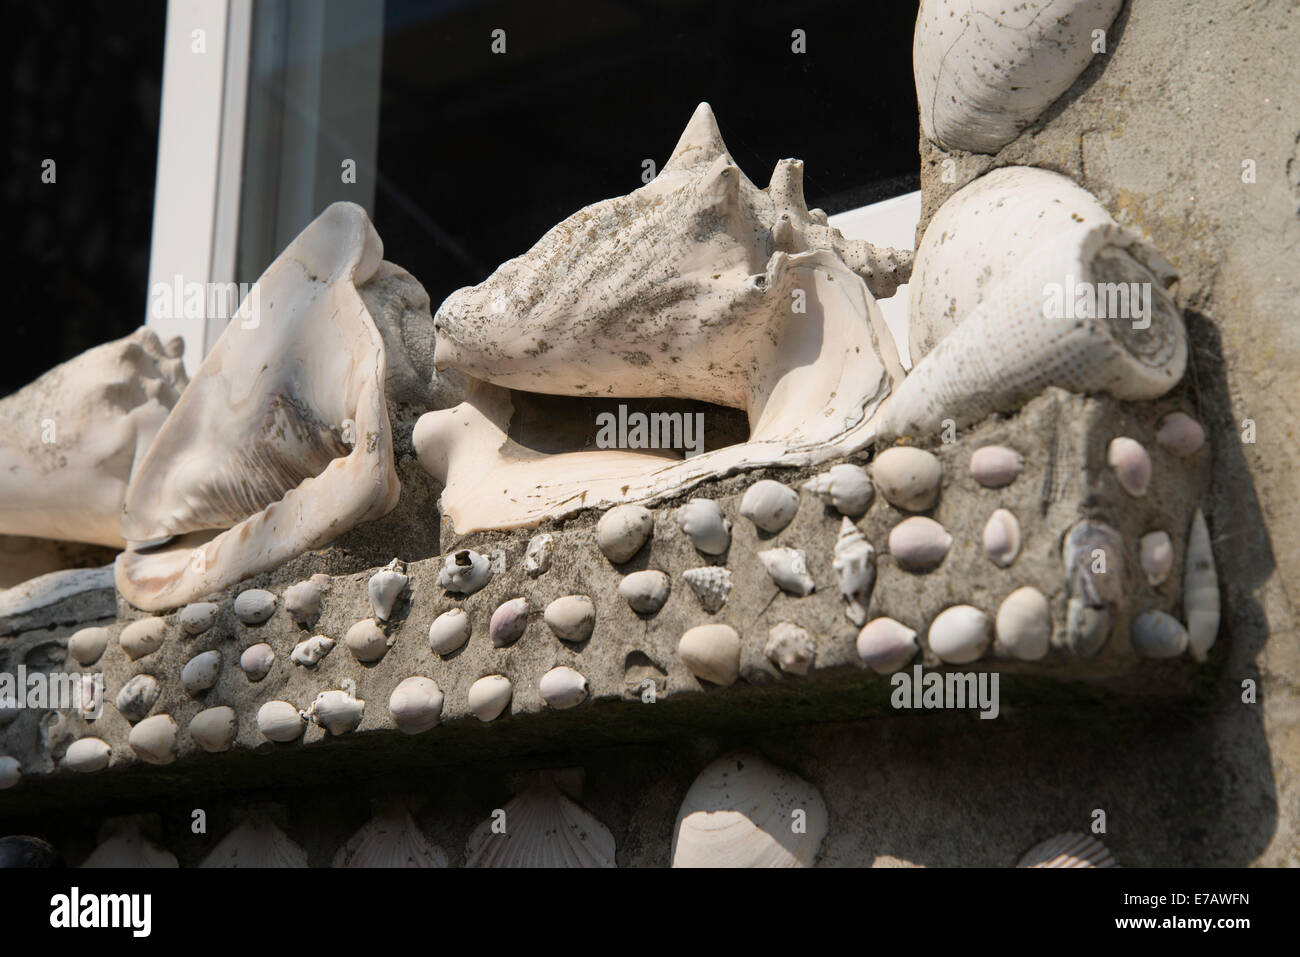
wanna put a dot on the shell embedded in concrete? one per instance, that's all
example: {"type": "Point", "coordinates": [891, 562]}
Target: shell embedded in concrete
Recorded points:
{"type": "Point", "coordinates": [88, 645]}
{"type": "Point", "coordinates": [622, 531]}
{"type": "Point", "coordinates": [465, 572]}
{"type": "Point", "coordinates": [449, 631]}
{"type": "Point", "coordinates": [303, 600]}
{"type": "Point", "coordinates": [280, 721]}
{"type": "Point", "coordinates": [253, 606]}
{"type": "Point", "coordinates": [389, 840]}
{"type": "Point", "coordinates": [143, 637]}
{"type": "Point", "coordinates": [1181, 435]}
{"type": "Point", "coordinates": [711, 585]}
{"type": "Point", "coordinates": [1131, 465]}
{"type": "Point", "coordinates": [11, 772]}
{"type": "Point", "coordinates": [1156, 553]}
{"type": "Point", "coordinates": [1002, 538]}
{"type": "Point", "coordinates": [508, 622]}
{"type": "Point", "coordinates": [197, 617]}
{"type": "Point", "coordinates": [790, 647]}
{"type": "Point", "coordinates": [996, 466]}
{"type": "Point", "coordinates": [416, 704]}
{"type": "Point", "coordinates": [855, 567]}
{"type": "Point", "coordinates": [1023, 628]}
{"type": "Point", "coordinates": [214, 729]}
{"type": "Point", "coordinates": [769, 505]}
{"type": "Point", "coordinates": [87, 754]}
{"type": "Point", "coordinates": [256, 660]}
{"type": "Point", "coordinates": [153, 740]}
{"type": "Point", "coordinates": [918, 543]}
{"type": "Point", "coordinates": [489, 696]}
{"type": "Point", "coordinates": [386, 586]}
{"type": "Point", "coordinates": [789, 569]}
{"type": "Point", "coordinates": [1093, 555]}
{"type": "Point", "coordinates": [312, 651]}
{"type": "Point", "coordinates": [847, 487]}
{"type": "Point", "coordinates": [543, 828]}
{"type": "Point", "coordinates": [537, 557]}
{"type": "Point", "coordinates": [1200, 589]}
{"type": "Point", "coordinates": [338, 712]}
{"type": "Point", "coordinates": [256, 843]}
{"type": "Point", "coordinates": [367, 641]}
{"type": "Point", "coordinates": [885, 645]}
{"type": "Point", "coordinates": [702, 521]}
{"type": "Point", "coordinates": [563, 687]}
{"type": "Point", "coordinates": [960, 634]}
{"type": "Point", "coordinates": [645, 591]}
{"type": "Point", "coordinates": [201, 672]}
{"type": "Point", "coordinates": [128, 847]}
{"type": "Point", "coordinates": [907, 477]}
{"type": "Point", "coordinates": [137, 696]}
{"type": "Point", "coordinates": [1156, 634]}
{"type": "Point", "coordinates": [711, 652]}
{"type": "Point", "coordinates": [1068, 850]}
{"type": "Point", "coordinates": [571, 618]}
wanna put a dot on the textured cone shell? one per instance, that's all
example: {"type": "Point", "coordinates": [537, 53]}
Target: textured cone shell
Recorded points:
{"type": "Point", "coordinates": [543, 828]}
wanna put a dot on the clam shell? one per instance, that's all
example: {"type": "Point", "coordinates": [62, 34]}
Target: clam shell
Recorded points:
{"type": "Point", "coordinates": [789, 569]}
{"type": "Point", "coordinates": [1156, 553]}
{"type": "Point", "coordinates": [543, 828]}
{"type": "Point", "coordinates": [847, 487]}
{"type": "Point", "coordinates": [1002, 538]}
{"type": "Point", "coordinates": [919, 542]}
{"type": "Point", "coordinates": [769, 505]}
{"type": "Point", "coordinates": [702, 521]}
{"type": "Point", "coordinates": [1200, 590]}
{"type": "Point", "coordinates": [11, 772]}
{"type": "Point", "coordinates": [562, 688]}
{"type": "Point", "coordinates": [385, 586]}
{"type": "Point", "coordinates": [142, 637]}
{"type": "Point", "coordinates": [201, 672]}
{"type": "Point", "coordinates": [537, 557]}
{"type": "Point", "coordinates": [129, 848]}
{"type": "Point", "coordinates": [153, 740]}
{"type": "Point", "coordinates": [571, 618]}
{"type": "Point", "coordinates": [137, 696]}
{"type": "Point", "coordinates": [367, 641]}
{"type": "Point", "coordinates": [907, 477]}
{"type": "Point", "coordinates": [790, 647]}
{"type": "Point", "coordinates": [711, 652]}
{"type": "Point", "coordinates": [416, 704]}
{"type": "Point", "coordinates": [1181, 435]}
{"type": "Point", "coordinates": [256, 843]}
{"type": "Point", "coordinates": [960, 634]}
{"type": "Point", "coordinates": [88, 645]}
{"type": "Point", "coordinates": [711, 585]}
{"type": "Point", "coordinates": [508, 622]}
{"type": "Point", "coordinates": [391, 839]}
{"type": "Point", "coordinates": [338, 712]}
{"type": "Point", "coordinates": [1155, 634]}
{"type": "Point", "coordinates": [449, 631]}
{"type": "Point", "coordinates": [280, 721]}
{"type": "Point", "coordinates": [312, 651]}
{"type": "Point", "coordinates": [1068, 850]}
{"type": "Point", "coordinates": [1097, 598]}
{"type": "Point", "coordinates": [996, 466]}
{"type": "Point", "coordinates": [1024, 625]}
{"type": "Point", "coordinates": [465, 572]}
{"type": "Point", "coordinates": [86, 755]}
{"type": "Point", "coordinates": [254, 606]}
{"type": "Point", "coordinates": [197, 617]}
{"type": "Point", "coordinates": [741, 811]}
{"type": "Point", "coordinates": [1131, 464]}
{"type": "Point", "coordinates": [855, 567]}
{"type": "Point", "coordinates": [645, 591]}
{"type": "Point", "coordinates": [256, 660]}
{"type": "Point", "coordinates": [885, 645]}
{"type": "Point", "coordinates": [489, 696]}
{"type": "Point", "coordinates": [303, 600]}
{"type": "Point", "coordinates": [622, 531]}
{"type": "Point", "coordinates": [214, 729]}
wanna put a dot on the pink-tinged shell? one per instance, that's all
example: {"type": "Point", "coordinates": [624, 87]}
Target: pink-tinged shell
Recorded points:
{"type": "Point", "coordinates": [885, 645]}
{"type": "Point", "coordinates": [960, 634]}
{"type": "Point", "coordinates": [1002, 538]}
{"type": "Point", "coordinates": [1131, 464]}
{"type": "Point", "coordinates": [1181, 434]}
{"type": "Point", "coordinates": [919, 542]}
{"type": "Point", "coordinates": [1156, 552]}
{"type": "Point", "coordinates": [257, 660]}
{"type": "Point", "coordinates": [508, 622]}
{"type": "Point", "coordinates": [995, 466]}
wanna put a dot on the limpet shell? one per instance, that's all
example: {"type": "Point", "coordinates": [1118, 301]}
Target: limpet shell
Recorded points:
{"type": "Point", "coordinates": [153, 740]}
{"type": "Point", "coordinates": [367, 641]}
{"type": "Point", "coordinates": [537, 557]}
{"type": "Point", "coordinates": [386, 586]}
{"type": "Point", "coordinates": [88, 645]}
{"type": "Point", "coordinates": [1181, 435]}
{"type": "Point", "coordinates": [622, 531]}
{"type": "Point", "coordinates": [310, 652]}
{"type": "Point", "coordinates": [789, 569]}
{"type": "Point", "coordinates": [1023, 626]}
{"type": "Point", "coordinates": [645, 591]}
{"type": "Point", "coordinates": [338, 712]}
{"type": "Point", "coordinates": [256, 660]}
{"type": "Point", "coordinates": [571, 618]}
{"type": "Point", "coordinates": [1002, 538]}
{"type": "Point", "coordinates": [960, 634]}
{"type": "Point", "coordinates": [885, 645]}
{"type": "Point", "coordinates": [416, 704]}
{"type": "Point", "coordinates": [254, 606]}
{"type": "Point", "coordinates": [86, 754]}
{"type": "Point", "coordinates": [769, 505]}
{"type": "Point", "coordinates": [1156, 553]}
{"type": "Point", "coordinates": [508, 622]}
{"type": "Point", "coordinates": [995, 466]}
{"type": "Point", "coordinates": [790, 648]}
{"type": "Point", "coordinates": [1131, 464]}
{"type": "Point", "coordinates": [846, 487]}
{"type": "Point", "coordinates": [142, 637]}
{"type": "Point", "coordinates": [280, 721]}
{"type": "Point", "coordinates": [137, 697]}
{"type": "Point", "coordinates": [711, 652]}
{"type": "Point", "coordinates": [919, 542]}
{"type": "Point", "coordinates": [702, 521]}
{"type": "Point", "coordinates": [711, 585]}
{"type": "Point", "coordinates": [489, 696]}
{"type": "Point", "coordinates": [465, 572]}
{"type": "Point", "coordinates": [214, 729]}
{"type": "Point", "coordinates": [908, 477]}
{"type": "Point", "coordinates": [449, 631]}
{"type": "Point", "coordinates": [197, 617]}
{"type": "Point", "coordinates": [563, 687]}
{"type": "Point", "coordinates": [201, 672]}
{"type": "Point", "coordinates": [1156, 634]}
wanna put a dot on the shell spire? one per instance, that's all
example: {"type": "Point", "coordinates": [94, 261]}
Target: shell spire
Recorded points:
{"type": "Point", "coordinates": [700, 143]}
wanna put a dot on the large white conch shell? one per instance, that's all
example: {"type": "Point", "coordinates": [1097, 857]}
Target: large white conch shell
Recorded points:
{"type": "Point", "coordinates": [282, 441]}
{"type": "Point", "coordinates": [986, 69]}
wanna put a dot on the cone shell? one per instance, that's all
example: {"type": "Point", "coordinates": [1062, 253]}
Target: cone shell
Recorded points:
{"type": "Point", "coordinates": [416, 704]}
{"type": "Point", "coordinates": [391, 839]}
{"type": "Point", "coordinates": [153, 740]}
{"type": "Point", "coordinates": [489, 696]}
{"type": "Point", "coordinates": [960, 634]}
{"type": "Point", "coordinates": [143, 637]}
{"type": "Point", "coordinates": [563, 688]}
{"type": "Point", "coordinates": [622, 531]}
{"type": "Point", "coordinates": [1068, 850]}
{"type": "Point", "coordinates": [256, 843]}
{"type": "Point", "coordinates": [711, 585]}
{"type": "Point", "coordinates": [711, 652]}
{"type": "Point", "coordinates": [449, 631]}
{"type": "Point", "coordinates": [1023, 627]}
{"type": "Point", "coordinates": [1002, 538]}
{"type": "Point", "coordinates": [885, 645]}
{"type": "Point", "coordinates": [646, 591]}
{"type": "Point", "coordinates": [88, 645]}
{"type": "Point", "coordinates": [86, 755]}
{"type": "Point", "coordinates": [280, 721]}
{"type": "Point", "coordinates": [214, 729]}
{"type": "Point", "coordinates": [769, 505]}
{"type": "Point", "coordinates": [847, 487]}
{"type": "Point", "coordinates": [1200, 590]}
{"type": "Point", "coordinates": [543, 828]}
{"type": "Point", "coordinates": [702, 521]}
{"type": "Point", "coordinates": [919, 543]}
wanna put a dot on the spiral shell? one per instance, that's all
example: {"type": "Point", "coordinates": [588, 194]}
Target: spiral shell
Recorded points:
{"type": "Point", "coordinates": [789, 569]}
{"type": "Point", "coordinates": [386, 586]}
{"type": "Point", "coordinates": [846, 487]}
{"type": "Point", "coordinates": [311, 652]}
{"type": "Point", "coordinates": [855, 567]}
{"type": "Point", "coordinates": [790, 647]}
{"type": "Point", "coordinates": [711, 585]}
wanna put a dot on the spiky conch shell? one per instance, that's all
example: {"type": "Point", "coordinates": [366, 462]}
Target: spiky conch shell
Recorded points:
{"type": "Point", "coordinates": [390, 839]}
{"type": "Point", "coordinates": [257, 842]}
{"type": "Point", "coordinates": [1068, 850]}
{"type": "Point", "coordinates": [543, 828]}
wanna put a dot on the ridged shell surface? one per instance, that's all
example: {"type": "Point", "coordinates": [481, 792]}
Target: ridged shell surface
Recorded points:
{"type": "Point", "coordinates": [256, 843]}
{"type": "Point", "coordinates": [542, 828]}
{"type": "Point", "coordinates": [391, 839]}
{"type": "Point", "coordinates": [1068, 850]}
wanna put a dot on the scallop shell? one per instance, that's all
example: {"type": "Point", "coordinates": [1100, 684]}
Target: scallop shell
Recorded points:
{"type": "Point", "coordinates": [789, 569]}
{"type": "Point", "coordinates": [367, 641]}
{"type": "Point", "coordinates": [1093, 555]}
{"type": "Point", "coordinates": [702, 521]}
{"type": "Point", "coordinates": [846, 487]}
{"type": "Point", "coordinates": [449, 631]}
{"type": "Point", "coordinates": [855, 567]}
{"type": "Point", "coordinates": [960, 634]}
{"type": "Point", "coordinates": [711, 585]}
{"type": "Point", "coordinates": [465, 572]}
{"type": "Point", "coordinates": [645, 591]}
{"type": "Point", "coordinates": [571, 618]}
{"type": "Point", "coordinates": [885, 645]}
{"type": "Point", "coordinates": [1131, 465]}
{"type": "Point", "coordinates": [153, 740]}
{"type": "Point", "coordinates": [391, 839]}
{"type": "Point", "coordinates": [338, 712]}
{"type": "Point", "coordinates": [201, 672]}
{"type": "Point", "coordinates": [137, 696]}
{"type": "Point", "coordinates": [1068, 850]}
{"type": "Point", "coordinates": [508, 622]}
{"type": "Point", "coordinates": [919, 543]}
{"type": "Point", "coordinates": [711, 652]}
{"type": "Point", "coordinates": [128, 847]}
{"type": "Point", "coordinates": [214, 729]}
{"type": "Point", "coordinates": [303, 600]}
{"type": "Point", "coordinates": [769, 505]}
{"type": "Point", "coordinates": [311, 652]}
{"type": "Point", "coordinates": [537, 557]}
{"type": "Point", "coordinates": [1200, 590]}
{"type": "Point", "coordinates": [253, 606]}
{"type": "Point", "coordinates": [908, 478]}
{"type": "Point", "coordinates": [280, 721]}
{"type": "Point", "coordinates": [1156, 552]}
{"type": "Point", "coordinates": [142, 637]}
{"type": "Point", "coordinates": [743, 811]}
{"type": "Point", "coordinates": [1023, 626]}
{"type": "Point", "coordinates": [86, 755]}
{"type": "Point", "coordinates": [489, 696]}
{"type": "Point", "coordinates": [256, 660]}
{"type": "Point", "coordinates": [11, 772]}
{"type": "Point", "coordinates": [985, 70]}
{"type": "Point", "coordinates": [622, 531]}
{"type": "Point", "coordinates": [198, 617]}
{"type": "Point", "coordinates": [1155, 634]}
{"type": "Point", "coordinates": [256, 843]}
{"type": "Point", "coordinates": [416, 704]}
{"type": "Point", "coordinates": [542, 828]}
{"type": "Point", "coordinates": [88, 645]}
{"type": "Point", "coordinates": [385, 586]}
{"type": "Point", "coordinates": [996, 466]}
{"type": "Point", "coordinates": [1181, 435]}
{"type": "Point", "coordinates": [563, 688]}
{"type": "Point", "coordinates": [1002, 538]}
{"type": "Point", "coordinates": [790, 647]}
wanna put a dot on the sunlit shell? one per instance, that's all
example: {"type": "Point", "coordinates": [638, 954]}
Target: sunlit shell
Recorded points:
{"type": "Point", "coordinates": [885, 645]}
{"type": "Point", "coordinates": [1156, 552]}
{"type": "Point", "coordinates": [385, 586]}
{"type": "Point", "coordinates": [449, 631]}
{"type": "Point", "coordinates": [367, 641]}
{"type": "Point", "coordinates": [312, 651]}
{"type": "Point", "coordinates": [711, 652]}
{"type": "Point", "coordinates": [489, 696]}
{"type": "Point", "coordinates": [142, 637]}
{"type": "Point", "coordinates": [11, 772]}
{"type": "Point", "coordinates": [256, 660]}
{"type": "Point", "coordinates": [702, 521]}
{"type": "Point", "coordinates": [622, 531]}
{"type": "Point", "coordinates": [563, 687]}
{"type": "Point", "coordinates": [1200, 589]}
{"type": "Point", "coordinates": [465, 572]}
{"type": "Point", "coordinates": [908, 478]}
{"type": "Point", "coordinates": [743, 811]}
{"type": "Point", "coordinates": [391, 839]}
{"type": "Point", "coordinates": [214, 729]}
{"type": "Point", "coordinates": [995, 466]}
{"type": "Point", "coordinates": [1023, 627]}
{"type": "Point", "coordinates": [645, 591]}
{"type": "Point", "coordinates": [138, 695]}
{"type": "Point", "coordinates": [416, 704]}
{"type": "Point", "coordinates": [1093, 555]}
{"type": "Point", "coordinates": [855, 567]}
{"type": "Point", "coordinates": [847, 487]}
{"type": "Point", "coordinates": [128, 847]}
{"type": "Point", "coordinates": [769, 505]}
{"type": "Point", "coordinates": [253, 606]}
{"type": "Point", "coordinates": [256, 843]}
{"type": "Point", "coordinates": [1002, 538]}
{"type": "Point", "coordinates": [87, 754]}
{"type": "Point", "coordinates": [1068, 850]}
{"type": "Point", "coordinates": [88, 645]}
{"type": "Point", "coordinates": [338, 712]}
{"type": "Point", "coordinates": [537, 557]}
{"type": "Point", "coordinates": [1181, 434]}
{"type": "Point", "coordinates": [303, 600]}
{"type": "Point", "coordinates": [790, 647]}
{"type": "Point", "coordinates": [789, 569]}
{"type": "Point", "coordinates": [1131, 464]}
{"type": "Point", "coordinates": [280, 721]}
{"type": "Point", "coordinates": [198, 617]}
{"type": "Point", "coordinates": [153, 740]}
{"type": "Point", "coordinates": [508, 622]}
{"type": "Point", "coordinates": [571, 618]}
{"type": "Point", "coordinates": [711, 585]}
{"type": "Point", "coordinates": [541, 828]}
{"type": "Point", "coordinates": [201, 672]}
{"type": "Point", "coordinates": [960, 634]}
{"type": "Point", "coordinates": [919, 542]}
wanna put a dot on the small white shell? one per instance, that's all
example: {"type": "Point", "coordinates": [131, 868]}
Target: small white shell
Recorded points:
{"type": "Point", "coordinates": [571, 618]}
{"type": "Point", "coordinates": [392, 839]}
{"type": "Point", "coordinates": [367, 641]}
{"type": "Point", "coordinates": [537, 557]}
{"type": "Point", "coordinates": [702, 521]}
{"type": "Point", "coordinates": [1156, 634]}
{"type": "Point", "coordinates": [847, 487]}
{"type": "Point", "coordinates": [254, 606]}
{"type": "Point", "coordinates": [1068, 850]}
{"type": "Point", "coordinates": [256, 660]}
{"type": "Point", "coordinates": [562, 688]}
{"type": "Point", "coordinates": [256, 843]}
{"type": "Point", "coordinates": [855, 567]}
{"type": "Point", "coordinates": [338, 712]}
{"type": "Point", "coordinates": [312, 651]}
{"type": "Point", "coordinates": [1156, 552]}
{"type": "Point", "coordinates": [1182, 435]}
{"type": "Point", "coordinates": [153, 740]}
{"type": "Point", "coordinates": [198, 617]}
{"type": "Point", "coordinates": [280, 721]}
{"type": "Point", "coordinates": [11, 772]}
{"type": "Point", "coordinates": [960, 634]}
{"type": "Point", "coordinates": [489, 696]}
{"type": "Point", "coordinates": [201, 672]}
{"type": "Point", "coordinates": [885, 645]}
{"type": "Point", "coordinates": [214, 729]}
{"type": "Point", "coordinates": [995, 466]}
{"type": "Point", "coordinates": [1200, 589]}
{"type": "Point", "coordinates": [711, 652]}
{"type": "Point", "coordinates": [385, 586]}
{"type": "Point", "coordinates": [142, 637]}
{"type": "Point", "coordinates": [790, 647]}
{"type": "Point", "coordinates": [769, 505]}
{"type": "Point", "coordinates": [449, 631]}
{"type": "Point", "coordinates": [416, 704]}
{"type": "Point", "coordinates": [908, 477]}
{"type": "Point", "coordinates": [508, 622]}
{"type": "Point", "coordinates": [303, 600]}
{"type": "Point", "coordinates": [1002, 538]}
{"type": "Point", "coordinates": [87, 754]}
{"type": "Point", "coordinates": [88, 645]}
{"type": "Point", "coordinates": [128, 847]}
{"type": "Point", "coordinates": [543, 828]}
{"type": "Point", "coordinates": [1131, 464]}
{"type": "Point", "coordinates": [645, 591]}
{"type": "Point", "coordinates": [711, 585]}
{"type": "Point", "coordinates": [1023, 626]}
{"type": "Point", "coordinates": [789, 569]}
{"type": "Point", "coordinates": [919, 542]}
{"type": "Point", "coordinates": [136, 697]}
{"type": "Point", "coordinates": [622, 531]}
{"type": "Point", "coordinates": [465, 572]}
